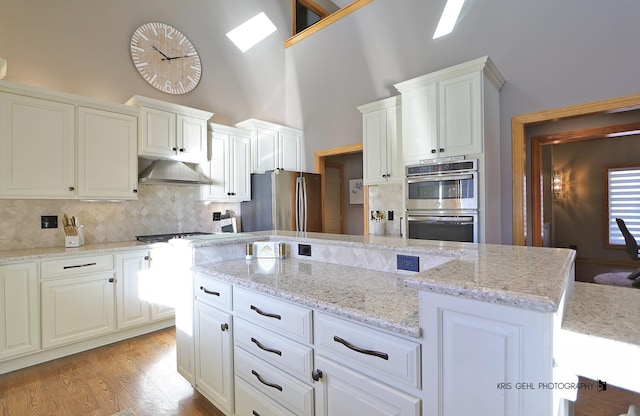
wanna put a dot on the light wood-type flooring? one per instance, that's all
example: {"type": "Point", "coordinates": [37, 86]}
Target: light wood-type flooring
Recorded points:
{"type": "Point", "coordinates": [139, 373]}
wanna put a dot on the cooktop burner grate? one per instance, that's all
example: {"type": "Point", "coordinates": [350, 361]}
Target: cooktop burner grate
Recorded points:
{"type": "Point", "coordinates": [163, 238]}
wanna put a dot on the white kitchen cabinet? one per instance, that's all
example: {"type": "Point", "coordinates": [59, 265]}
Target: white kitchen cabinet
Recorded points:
{"type": "Point", "coordinates": [37, 147]}
{"type": "Point", "coordinates": [171, 131]}
{"type": "Point", "coordinates": [381, 142]}
{"type": "Point", "coordinates": [77, 308]}
{"type": "Point", "coordinates": [343, 391]}
{"type": "Point", "coordinates": [274, 146]}
{"type": "Point", "coordinates": [443, 112]}
{"type": "Point", "coordinates": [229, 166]}
{"type": "Point", "coordinates": [214, 355]}
{"type": "Point", "coordinates": [61, 146]}
{"type": "Point", "coordinates": [516, 346]}
{"type": "Point", "coordinates": [107, 154]}
{"type": "Point", "coordinates": [132, 308]}
{"type": "Point", "coordinates": [20, 313]}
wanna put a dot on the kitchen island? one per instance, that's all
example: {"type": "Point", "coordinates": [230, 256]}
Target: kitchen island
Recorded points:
{"type": "Point", "coordinates": [484, 319]}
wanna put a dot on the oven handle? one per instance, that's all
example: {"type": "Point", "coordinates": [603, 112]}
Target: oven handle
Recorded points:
{"type": "Point", "coordinates": [439, 178]}
{"type": "Point", "coordinates": [438, 219]}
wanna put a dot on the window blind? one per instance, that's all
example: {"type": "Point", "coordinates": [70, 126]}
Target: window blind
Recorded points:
{"type": "Point", "coordinates": [623, 193]}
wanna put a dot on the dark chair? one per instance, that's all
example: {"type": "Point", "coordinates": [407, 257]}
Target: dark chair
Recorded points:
{"type": "Point", "coordinates": [632, 249]}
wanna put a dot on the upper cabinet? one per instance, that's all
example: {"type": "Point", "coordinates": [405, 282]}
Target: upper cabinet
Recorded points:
{"type": "Point", "coordinates": [229, 165]}
{"type": "Point", "coordinates": [171, 131]}
{"type": "Point", "coordinates": [273, 146]}
{"type": "Point", "coordinates": [443, 112]}
{"type": "Point", "coordinates": [381, 141]}
{"type": "Point", "coordinates": [61, 146]}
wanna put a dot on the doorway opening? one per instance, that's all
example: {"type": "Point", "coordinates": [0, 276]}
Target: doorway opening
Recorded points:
{"type": "Point", "coordinates": [352, 217]}
{"type": "Point", "coordinates": [519, 150]}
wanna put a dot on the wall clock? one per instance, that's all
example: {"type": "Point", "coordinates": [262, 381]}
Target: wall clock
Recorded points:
{"type": "Point", "coordinates": [165, 58]}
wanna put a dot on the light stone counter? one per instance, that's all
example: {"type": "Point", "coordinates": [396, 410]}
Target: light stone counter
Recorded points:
{"type": "Point", "coordinates": [377, 298]}
{"type": "Point", "coordinates": [12, 256]}
{"type": "Point", "coordinates": [600, 336]}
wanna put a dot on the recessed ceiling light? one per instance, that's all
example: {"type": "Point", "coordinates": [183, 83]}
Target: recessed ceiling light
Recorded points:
{"type": "Point", "coordinates": [449, 18]}
{"type": "Point", "coordinates": [251, 32]}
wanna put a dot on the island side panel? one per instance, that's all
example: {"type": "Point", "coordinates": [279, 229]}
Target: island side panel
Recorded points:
{"type": "Point", "coordinates": [484, 358]}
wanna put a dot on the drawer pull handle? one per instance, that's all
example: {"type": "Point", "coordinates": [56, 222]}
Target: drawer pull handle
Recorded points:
{"type": "Point", "coordinates": [347, 344]}
{"type": "Point", "coordinates": [268, 315]}
{"type": "Point", "coordinates": [275, 386]}
{"type": "Point", "coordinates": [79, 265]}
{"type": "Point", "coordinates": [254, 413]}
{"type": "Point", "coordinates": [208, 292]}
{"type": "Point", "coordinates": [262, 347]}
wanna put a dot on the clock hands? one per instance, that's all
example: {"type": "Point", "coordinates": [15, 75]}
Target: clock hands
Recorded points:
{"type": "Point", "coordinates": [165, 56]}
{"type": "Point", "coordinates": [169, 58]}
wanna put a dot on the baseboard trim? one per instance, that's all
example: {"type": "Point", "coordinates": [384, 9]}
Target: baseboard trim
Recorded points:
{"type": "Point", "coordinates": [42, 356]}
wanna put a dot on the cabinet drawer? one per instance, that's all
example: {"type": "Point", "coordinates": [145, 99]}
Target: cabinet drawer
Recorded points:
{"type": "Point", "coordinates": [296, 359]}
{"type": "Point", "coordinates": [281, 387]}
{"type": "Point", "coordinates": [283, 317]}
{"type": "Point", "coordinates": [71, 266]}
{"type": "Point", "coordinates": [251, 402]}
{"type": "Point", "coordinates": [369, 351]}
{"type": "Point", "coordinates": [213, 292]}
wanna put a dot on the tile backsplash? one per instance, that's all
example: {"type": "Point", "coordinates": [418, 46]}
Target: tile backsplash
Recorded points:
{"type": "Point", "coordinates": [387, 197]}
{"type": "Point", "coordinates": [159, 209]}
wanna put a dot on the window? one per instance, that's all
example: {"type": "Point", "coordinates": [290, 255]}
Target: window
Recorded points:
{"type": "Point", "coordinates": [623, 201]}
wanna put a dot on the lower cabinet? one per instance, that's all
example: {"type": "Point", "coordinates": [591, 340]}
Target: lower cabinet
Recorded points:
{"type": "Point", "coordinates": [20, 311]}
{"type": "Point", "coordinates": [77, 308]}
{"type": "Point", "coordinates": [214, 355]}
{"type": "Point", "coordinates": [343, 391]}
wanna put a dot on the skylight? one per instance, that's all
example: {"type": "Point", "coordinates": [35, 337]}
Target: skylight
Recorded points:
{"type": "Point", "coordinates": [449, 18]}
{"type": "Point", "coordinates": [249, 33]}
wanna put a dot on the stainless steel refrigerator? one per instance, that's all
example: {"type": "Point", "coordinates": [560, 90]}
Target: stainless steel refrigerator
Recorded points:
{"type": "Point", "coordinates": [283, 200]}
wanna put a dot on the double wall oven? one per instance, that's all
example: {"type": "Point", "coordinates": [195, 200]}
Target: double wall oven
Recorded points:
{"type": "Point", "coordinates": [442, 200]}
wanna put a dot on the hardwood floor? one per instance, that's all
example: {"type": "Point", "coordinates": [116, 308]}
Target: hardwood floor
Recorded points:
{"type": "Point", "coordinates": [139, 373]}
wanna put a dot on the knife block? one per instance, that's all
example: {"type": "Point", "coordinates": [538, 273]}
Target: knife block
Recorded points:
{"type": "Point", "coordinates": [75, 240]}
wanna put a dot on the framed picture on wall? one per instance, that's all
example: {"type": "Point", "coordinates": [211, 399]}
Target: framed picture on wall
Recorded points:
{"type": "Point", "coordinates": [356, 191]}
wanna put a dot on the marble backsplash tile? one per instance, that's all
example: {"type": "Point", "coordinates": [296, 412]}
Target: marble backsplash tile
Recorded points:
{"type": "Point", "coordinates": [387, 197]}
{"type": "Point", "coordinates": [159, 209]}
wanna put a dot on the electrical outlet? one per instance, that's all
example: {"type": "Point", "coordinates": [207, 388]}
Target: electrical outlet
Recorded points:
{"type": "Point", "coordinates": [409, 263]}
{"type": "Point", "coordinates": [390, 215]}
{"type": "Point", "coordinates": [49, 221]}
{"type": "Point", "coordinates": [304, 250]}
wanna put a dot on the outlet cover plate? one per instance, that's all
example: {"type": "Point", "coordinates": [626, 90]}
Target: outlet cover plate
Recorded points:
{"type": "Point", "coordinates": [409, 263]}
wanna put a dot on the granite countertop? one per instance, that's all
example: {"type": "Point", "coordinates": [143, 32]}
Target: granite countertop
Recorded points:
{"type": "Point", "coordinates": [9, 256]}
{"type": "Point", "coordinates": [376, 298]}
{"type": "Point", "coordinates": [600, 334]}
{"type": "Point", "coordinates": [532, 278]}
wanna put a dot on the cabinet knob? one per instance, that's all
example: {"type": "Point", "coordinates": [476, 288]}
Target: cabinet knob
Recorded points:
{"type": "Point", "coordinates": [433, 151]}
{"type": "Point", "coordinates": [182, 149]}
{"type": "Point", "coordinates": [71, 189]}
{"type": "Point", "coordinates": [147, 258]}
{"type": "Point", "coordinates": [441, 150]}
{"type": "Point", "coordinates": [135, 191]}
{"type": "Point", "coordinates": [175, 149]}
{"type": "Point", "coordinates": [316, 375]}
{"type": "Point", "coordinates": [112, 280]}
{"type": "Point", "coordinates": [224, 327]}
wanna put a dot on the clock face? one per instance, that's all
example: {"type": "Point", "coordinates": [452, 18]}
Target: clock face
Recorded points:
{"type": "Point", "coordinates": [165, 58]}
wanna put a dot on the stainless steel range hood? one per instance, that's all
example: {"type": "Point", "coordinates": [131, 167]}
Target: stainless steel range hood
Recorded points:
{"type": "Point", "coordinates": [172, 172]}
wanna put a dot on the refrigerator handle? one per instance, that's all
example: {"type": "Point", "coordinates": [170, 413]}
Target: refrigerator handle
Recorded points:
{"type": "Point", "coordinates": [297, 204]}
{"type": "Point", "coordinates": [304, 201]}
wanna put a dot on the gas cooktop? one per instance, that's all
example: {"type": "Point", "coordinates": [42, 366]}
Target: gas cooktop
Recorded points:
{"type": "Point", "coordinates": [163, 238]}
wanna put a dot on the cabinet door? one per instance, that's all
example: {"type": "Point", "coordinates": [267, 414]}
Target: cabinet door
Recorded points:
{"type": "Point", "coordinates": [239, 168]}
{"type": "Point", "coordinates": [420, 124]}
{"type": "Point", "coordinates": [374, 128]}
{"type": "Point", "coordinates": [460, 115]}
{"type": "Point", "coordinates": [157, 133]}
{"type": "Point", "coordinates": [107, 157]}
{"type": "Point", "coordinates": [192, 139]}
{"type": "Point", "coordinates": [214, 355]}
{"type": "Point", "coordinates": [342, 391]}
{"type": "Point", "coordinates": [37, 148]}
{"type": "Point", "coordinates": [19, 315]}
{"type": "Point", "coordinates": [265, 150]}
{"type": "Point", "coordinates": [289, 152]}
{"type": "Point", "coordinates": [217, 168]}
{"type": "Point", "coordinates": [77, 308]}
{"type": "Point", "coordinates": [132, 305]}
